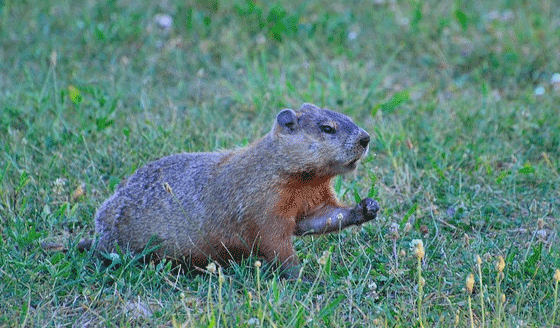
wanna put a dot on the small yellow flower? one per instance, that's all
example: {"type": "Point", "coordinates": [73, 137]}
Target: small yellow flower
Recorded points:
{"type": "Point", "coordinates": [557, 275]}
{"type": "Point", "coordinates": [478, 260]}
{"type": "Point", "coordinates": [407, 227]}
{"type": "Point", "coordinates": [258, 264]}
{"type": "Point", "coordinates": [221, 277]}
{"type": "Point", "coordinates": [167, 187]}
{"type": "Point", "coordinates": [466, 239]}
{"type": "Point", "coordinates": [324, 257]}
{"type": "Point", "coordinates": [211, 268]}
{"type": "Point", "coordinates": [503, 298]}
{"type": "Point", "coordinates": [79, 192]}
{"type": "Point", "coordinates": [501, 264]}
{"type": "Point", "coordinates": [470, 283]}
{"type": "Point", "coordinates": [418, 248]}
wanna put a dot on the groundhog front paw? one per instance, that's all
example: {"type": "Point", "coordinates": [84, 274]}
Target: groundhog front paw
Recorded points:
{"type": "Point", "coordinates": [367, 210]}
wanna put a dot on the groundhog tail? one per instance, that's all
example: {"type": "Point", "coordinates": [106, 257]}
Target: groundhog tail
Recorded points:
{"type": "Point", "coordinates": [54, 247]}
{"type": "Point", "coordinates": [85, 245]}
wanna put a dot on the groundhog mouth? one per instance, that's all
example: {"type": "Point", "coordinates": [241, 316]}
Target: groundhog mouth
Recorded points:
{"type": "Point", "coordinates": [352, 164]}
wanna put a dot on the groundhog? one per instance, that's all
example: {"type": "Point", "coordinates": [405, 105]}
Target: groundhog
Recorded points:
{"type": "Point", "coordinates": [224, 206]}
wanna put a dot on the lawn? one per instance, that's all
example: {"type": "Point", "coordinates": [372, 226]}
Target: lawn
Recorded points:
{"type": "Point", "coordinates": [461, 102]}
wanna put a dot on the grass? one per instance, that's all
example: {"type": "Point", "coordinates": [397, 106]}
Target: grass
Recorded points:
{"type": "Point", "coordinates": [465, 155]}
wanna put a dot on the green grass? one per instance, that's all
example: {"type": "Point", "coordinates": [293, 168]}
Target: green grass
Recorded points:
{"type": "Point", "coordinates": [462, 148]}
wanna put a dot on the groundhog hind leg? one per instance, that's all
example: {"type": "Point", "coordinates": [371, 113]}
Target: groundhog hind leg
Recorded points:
{"type": "Point", "coordinates": [334, 219]}
{"type": "Point", "coordinates": [280, 252]}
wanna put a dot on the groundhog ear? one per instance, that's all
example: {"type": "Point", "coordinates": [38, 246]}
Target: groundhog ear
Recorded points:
{"type": "Point", "coordinates": [308, 106]}
{"type": "Point", "coordinates": [287, 119]}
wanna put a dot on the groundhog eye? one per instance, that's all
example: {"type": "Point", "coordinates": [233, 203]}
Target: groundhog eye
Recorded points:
{"type": "Point", "coordinates": [328, 129]}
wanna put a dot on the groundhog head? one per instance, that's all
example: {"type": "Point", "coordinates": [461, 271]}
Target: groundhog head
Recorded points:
{"type": "Point", "coordinates": [319, 141]}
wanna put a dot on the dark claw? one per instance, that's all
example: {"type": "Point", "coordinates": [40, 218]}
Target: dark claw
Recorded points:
{"type": "Point", "coordinates": [365, 211]}
{"type": "Point", "coordinates": [370, 206]}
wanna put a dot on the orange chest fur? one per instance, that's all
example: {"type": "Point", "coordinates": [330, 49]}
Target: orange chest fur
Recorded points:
{"type": "Point", "coordinates": [296, 199]}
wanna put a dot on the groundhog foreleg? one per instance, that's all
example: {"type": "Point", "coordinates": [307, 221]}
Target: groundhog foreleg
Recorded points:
{"type": "Point", "coordinates": [334, 219]}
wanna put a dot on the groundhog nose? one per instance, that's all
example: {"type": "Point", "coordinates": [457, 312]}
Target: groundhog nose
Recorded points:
{"type": "Point", "coordinates": [364, 140]}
